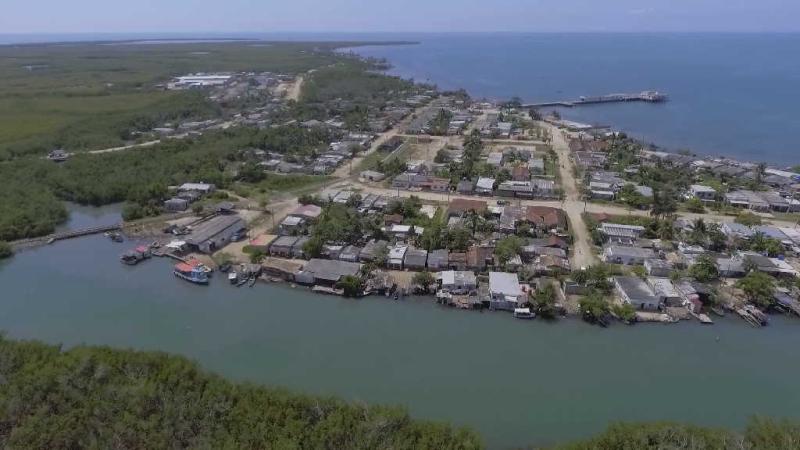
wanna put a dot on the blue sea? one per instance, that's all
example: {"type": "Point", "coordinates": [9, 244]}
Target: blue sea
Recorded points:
{"type": "Point", "coordinates": [736, 95]}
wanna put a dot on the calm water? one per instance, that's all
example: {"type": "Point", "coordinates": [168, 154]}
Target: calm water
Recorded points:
{"type": "Point", "coordinates": [515, 382]}
{"type": "Point", "coordinates": [731, 94]}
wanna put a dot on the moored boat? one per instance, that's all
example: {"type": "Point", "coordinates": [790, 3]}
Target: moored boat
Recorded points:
{"type": "Point", "coordinates": [233, 277]}
{"type": "Point", "coordinates": [190, 273]}
{"type": "Point", "coordinates": [524, 313]}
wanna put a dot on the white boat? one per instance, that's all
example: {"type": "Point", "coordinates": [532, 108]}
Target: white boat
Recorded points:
{"type": "Point", "coordinates": [524, 313]}
{"type": "Point", "coordinates": [233, 277]}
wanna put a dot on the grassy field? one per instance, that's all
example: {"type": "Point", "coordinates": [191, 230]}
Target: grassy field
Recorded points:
{"type": "Point", "coordinates": [89, 95]}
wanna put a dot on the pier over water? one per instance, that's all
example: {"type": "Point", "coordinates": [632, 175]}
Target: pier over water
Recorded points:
{"type": "Point", "coordinates": [644, 96]}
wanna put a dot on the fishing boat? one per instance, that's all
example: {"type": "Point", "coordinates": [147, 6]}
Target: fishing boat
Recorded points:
{"type": "Point", "coordinates": [233, 277]}
{"type": "Point", "coordinates": [190, 273]}
{"type": "Point", "coordinates": [524, 313]}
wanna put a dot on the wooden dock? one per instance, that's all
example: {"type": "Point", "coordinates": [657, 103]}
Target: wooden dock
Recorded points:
{"type": "Point", "coordinates": [33, 242]}
{"type": "Point", "coordinates": [644, 96]}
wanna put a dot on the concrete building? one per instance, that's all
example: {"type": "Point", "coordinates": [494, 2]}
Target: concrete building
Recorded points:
{"type": "Point", "coordinates": [629, 256]}
{"type": "Point", "coordinates": [505, 292]}
{"type": "Point", "coordinates": [326, 272]}
{"type": "Point", "coordinates": [634, 291]}
{"type": "Point", "coordinates": [458, 282]}
{"type": "Point", "coordinates": [217, 232]}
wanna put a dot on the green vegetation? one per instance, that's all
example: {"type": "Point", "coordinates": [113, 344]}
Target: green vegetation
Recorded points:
{"type": "Point", "coordinates": [351, 285]}
{"type": "Point", "coordinates": [759, 288]}
{"type": "Point", "coordinates": [748, 219]}
{"type": "Point", "coordinates": [440, 124]}
{"type": "Point", "coordinates": [626, 312]}
{"type": "Point", "coordinates": [5, 250]}
{"type": "Point", "coordinates": [594, 306]}
{"type": "Point", "coordinates": [424, 279]}
{"type": "Point", "coordinates": [91, 397]}
{"type": "Point", "coordinates": [507, 248]}
{"type": "Point", "coordinates": [544, 302]}
{"type": "Point", "coordinates": [105, 398]}
{"type": "Point", "coordinates": [760, 434]}
{"type": "Point", "coordinates": [89, 96]}
{"type": "Point", "coordinates": [704, 269]}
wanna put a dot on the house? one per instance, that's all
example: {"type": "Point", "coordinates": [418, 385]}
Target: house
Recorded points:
{"type": "Point", "coordinates": [505, 292]}
{"type": "Point", "coordinates": [629, 256]}
{"type": "Point", "coordinates": [415, 259]}
{"type": "Point", "coordinates": [522, 189]}
{"type": "Point", "coordinates": [458, 282]}
{"type": "Point", "coordinates": [282, 246]}
{"type": "Point", "coordinates": [394, 260]}
{"type": "Point", "coordinates": [371, 175]}
{"type": "Point", "coordinates": [665, 291]}
{"type": "Point", "coordinates": [392, 219]}
{"type": "Point", "coordinates": [622, 233]}
{"type": "Point", "coordinates": [658, 267]}
{"type": "Point", "coordinates": [373, 250]}
{"type": "Point", "coordinates": [736, 230]}
{"type": "Point", "coordinates": [262, 242]}
{"type": "Point", "coordinates": [731, 267]}
{"type": "Point", "coordinates": [551, 241]}
{"type": "Point", "coordinates": [495, 159]}
{"type": "Point", "coordinates": [404, 231]}
{"type": "Point", "coordinates": [703, 193]}
{"type": "Point", "coordinates": [298, 247]}
{"type": "Point", "coordinates": [291, 225]}
{"type": "Point", "coordinates": [484, 186]}
{"type": "Point", "coordinates": [479, 257]}
{"type": "Point", "coordinates": [201, 188]}
{"type": "Point", "coordinates": [457, 261]}
{"type": "Point", "coordinates": [536, 166]}
{"type": "Point", "coordinates": [350, 253]}
{"type": "Point", "coordinates": [281, 268]}
{"type": "Point", "coordinates": [458, 207]}
{"type": "Point", "coordinates": [416, 166]}
{"type": "Point", "coordinates": [747, 199]}
{"type": "Point", "coordinates": [176, 204]}
{"type": "Point", "coordinates": [326, 272]}
{"type": "Point", "coordinates": [546, 218]}
{"type": "Point", "coordinates": [543, 188]}
{"type": "Point", "coordinates": [466, 187]}
{"type": "Point", "coordinates": [212, 234]}
{"type": "Point", "coordinates": [520, 173]}
{"type": "Point", "coordinates": [438, 259]}
{"type": "Point", "coordinates": [552, 264]}
{"type": "Point", "coordinates": [634, 291]}
{"type": "Point", "coordinates": [308, 212]}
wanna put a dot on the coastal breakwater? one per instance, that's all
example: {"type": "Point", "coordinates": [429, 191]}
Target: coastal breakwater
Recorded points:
{"type": "Point", "coordinates": [644, 96]}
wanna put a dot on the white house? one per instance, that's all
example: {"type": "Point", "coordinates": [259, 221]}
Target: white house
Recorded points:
{"type": "Point", "coordinates": [504, 291]}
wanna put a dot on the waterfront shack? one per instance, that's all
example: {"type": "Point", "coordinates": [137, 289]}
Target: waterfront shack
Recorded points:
{"type": "Point", "coordinates": [458, 282]}
{"type": "Point", "coordinates": [325, 272]}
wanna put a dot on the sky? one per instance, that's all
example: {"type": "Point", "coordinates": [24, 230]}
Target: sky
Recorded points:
{"type": "Point", "coordinates": [231, 16]}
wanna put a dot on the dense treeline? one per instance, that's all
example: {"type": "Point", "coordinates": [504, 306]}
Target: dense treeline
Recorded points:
{"type": "Point", "coordinates": [760, 434]}
{"type": "Point", "coordinates": [89, 96]}
{"type": "Point", "coordinates": [97, 397]}
{"type": "Point", "coordinates": [32, 188]}
{"type": "Point", "coordinates": [103, 398]}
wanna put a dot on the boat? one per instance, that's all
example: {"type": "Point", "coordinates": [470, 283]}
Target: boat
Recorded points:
{"type": "Point", "coordinates": [718, 311]}
{"type": "Point", "coordinates": [190, 273]}
{"type": "Point", "coordinates": [114, 236]}
{"type": "Point", "coordinates": [199, 265]}
{"type": "Point", "coordinates": [524, 313]}
{"type": "Point", "coordinates": [233, 277]}
{"type": "Point", "coordinates": [253, 280]}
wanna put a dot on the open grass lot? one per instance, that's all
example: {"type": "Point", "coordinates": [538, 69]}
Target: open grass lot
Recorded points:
{"type": "Point", "coordinates": [91, 95]}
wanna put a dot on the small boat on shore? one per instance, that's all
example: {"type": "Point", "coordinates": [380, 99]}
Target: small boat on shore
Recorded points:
{"type": "Point", "coordinates": [524, 313]}
{"type": "Point", "coordinates": [190, 273]}
{"type": "Point", "coordinates": [115, 236]}
{"type": "Point", "coordinates": [233, 277]}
